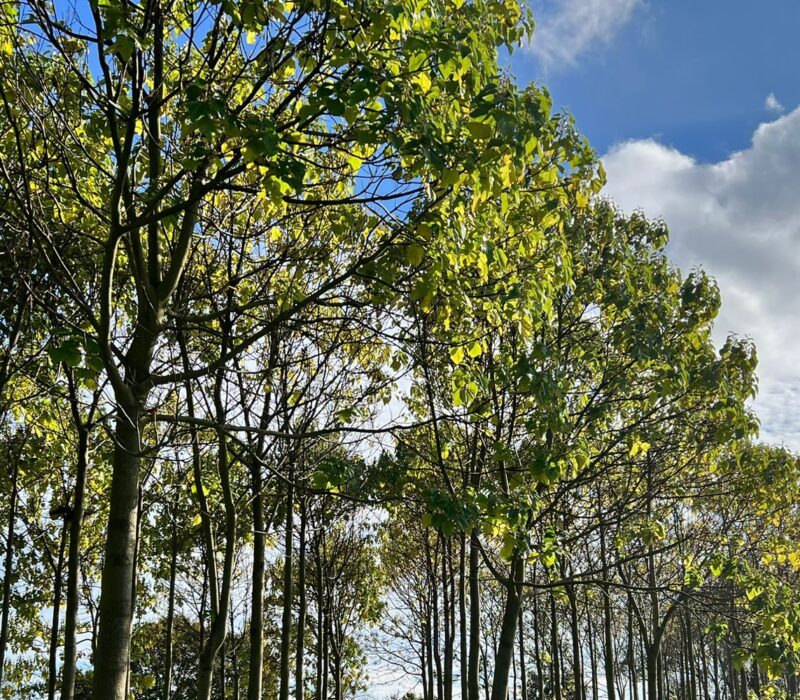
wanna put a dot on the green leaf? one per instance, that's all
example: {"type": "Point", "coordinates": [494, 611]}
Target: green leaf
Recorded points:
{"type": "Point", "coordinates": [480, 130]}
{"type": "Point", "coordinates": [457, 355]}
{"type": "Point", "coordinates": [415, 253]}
{"type": "Point", "coordinates": [68, 352]}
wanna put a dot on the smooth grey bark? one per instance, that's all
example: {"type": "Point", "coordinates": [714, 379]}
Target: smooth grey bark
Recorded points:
{"type": "Point", "coordinates": [168, 645]}
{"type": "Point", "coordinates": [508, 629]}
{"type": "Point", "coordinates": [112, 659]}
{"type": "Point", "coordinates": [52, 666]}
{"type": "Point", "coordinates": [473, 680]}
{"type": "Point", "coordinates": [555, 651]}
{"type": "Point", "coordinates": [69, 668]}
{"type": "Point", "coordinates": [523, 673]}
{"type": "Point", "coordinates": [577, 662]}
{"type": "Point", "coordinates": [449, 629]}
{"type": "Point", "coordinates": [255, 674]}
{"type": "Point", "coordinates": [462, 615]}
{"type": "Point", "coordinates": [301, 606]}
{"type": "Point", "coordinates": [219, 621]}
{"type": "Point", "coordinates": [8, 564]}
{"type": "Point", "coordinates": [288, 592]}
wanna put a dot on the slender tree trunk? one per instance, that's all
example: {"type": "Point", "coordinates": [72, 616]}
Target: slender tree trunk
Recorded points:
{"type": "Point", "coordinates": [537, 650]}
{"type": "Point", "coordinates": [631, 658]}
{"type": "Point", "coordinates": [508, 629]}
{"type": "Point", "coordinates": [255, 677]}
{"type": "Point", "coordinates": [112, 660]}
{"type": "Point", "coordinates": [429, 646]}
{"type": "Point", "coordinates": [608, 639]}
{"type": "Point", "coordinates": [447, 610]}
{"type": "Point", "coordinates": [69, 668]}
{"type": "Point", "coordinates": [8, 566]}
{"type": "Point", "coordinates": [234, 659]}
{"type": "Point", "coordinates": [320, 618]}
{"type": "Point", "coordinates": [288, 592]}
{"type": "Point", "coordinates": [592, 654]}
{"type": "Point", "coordinates": [434, 586]}
{"type": "Point", "coordinates": [652, 672]}
{"type": "Point", "coordinates": [462, 616]}
{"type": "Point", "coordinates": [577, 663]}
{"type": "Point", "coordinates": [423, 663]}
{"type": "Point", "coordinates": [173, 566]}
{"type": "Point", "coordinates": [301, 613]}
{"type": "Point", "coordinates": [523, 673]}
{"type": "Point", "coordinates": [555, 651]}
{"type": "Point", "coordinates": [473, 680]}
{"type": "Point", "coordinates": [52, 675]}
{"type": "Point", "coordinates": [219, 622]}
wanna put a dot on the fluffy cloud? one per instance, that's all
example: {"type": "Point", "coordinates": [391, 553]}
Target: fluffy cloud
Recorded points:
{"type": "Point", "coordinates": [740, 220]}
{"type": "Point", "coordinates": [567, 28]}
{"type": "Point", "coordinates": [772, 104]}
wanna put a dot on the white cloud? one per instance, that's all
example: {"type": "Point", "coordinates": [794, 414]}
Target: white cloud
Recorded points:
{"type": "Point", "coordinates": [567, 28]}
{"type": "Point", "coordinates": [772, 104]}
{"type": "Point", "coordinates": [740, 220]}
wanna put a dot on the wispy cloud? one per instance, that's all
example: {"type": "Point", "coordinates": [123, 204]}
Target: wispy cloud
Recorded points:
{"type": "Point", "coordinates": [567, 28]}
{"type": "Point", "coordinates": [772, 104]}
{"type": "Point", "coordinates": [740, 219]}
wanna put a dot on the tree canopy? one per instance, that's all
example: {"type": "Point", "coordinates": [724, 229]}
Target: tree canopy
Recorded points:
{"type": "Point", "coordinates": [324, 358]}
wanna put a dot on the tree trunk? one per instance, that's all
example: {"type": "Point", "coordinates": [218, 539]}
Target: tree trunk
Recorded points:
{"type": "Point", "coordinates": [506, 644]}
{"type": "Point", "coordinates": [52, 676]}
{"type": "Point", "coordinates": [577, 662]}
{"type": "Point", "coordinates": [219, 621]}
{"type": "Point", "coordinates": [73, 571]}
{"type": "Point", "coordinates": [173, 565]}
{"type": "Point", "coordinates": [288, 594]}
{"type": "Point", "coordinates": [255, 673]}
{"type": "Point", "coordinates": [523, 673]}
{"type": "Point", "coordinates": [473, 680]}
{"type": "Point", "coordinates": [462, 616]}
{"type": "Point", "coordinates": [112, 659]}
{"type": "Point", "coordinates": [592, 654]}
{"type": "Point", "coordinates": [652, 672]}
{"type": "Point", "coordinates": [8, 566]}
{"type": "Point", "coordinates": [301, 613]}
{"type": "Point", "coordinates": [447, 610]}
{"type": "Point", "coordinates": [555, 651]}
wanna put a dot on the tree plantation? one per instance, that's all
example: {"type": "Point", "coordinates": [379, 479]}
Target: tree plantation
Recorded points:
{"type": "Point", "coordinates": [326, 372]}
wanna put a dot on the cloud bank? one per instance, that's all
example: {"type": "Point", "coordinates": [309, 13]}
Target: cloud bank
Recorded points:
{"type": "Point", "coordinates": [567, 28]}
{"type": "Point", "coordinates": [740, 220]}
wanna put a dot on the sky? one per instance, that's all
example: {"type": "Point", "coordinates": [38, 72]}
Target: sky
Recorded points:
{"type": "Point", "coordinates": [694, 108]}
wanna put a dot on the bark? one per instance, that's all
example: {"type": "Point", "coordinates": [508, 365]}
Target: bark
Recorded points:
{"type": "Point", "coordinates": [301, 613]}
{"type": "Point", "coordinates": [523, 673]}
{"type": "Point", "coordinates": [473, 681]}
{"type": "Point", "coordinates": [52, 675]}
{"type": "Point", "coordinates": [173, 565]}
{"type": "Point", "coordinates": [555, 651]}
{"type": "Point", "coordinates": [256, 669]}
{"type": "Point", "coordinates": [592, 655]}
{"type": "Point", "coordinates": [219, 621]}
{"type": "Point", "coordinates": [288, 593]}
{"type": "Point", "coordinates": [8, 564]}
{"type": "Point", "coordinates": [608, 640]}
{"type": "Point", "coordinates": [462, 616]}
{"type": "Point", "coordinates": [577, 663]}
{"type": "Point", "coordinates": [506, 643]}
{"type": "Point", "coordinates": [447, 603]}
{"type": "Point", "coordinates": [69, 668]}
{"type": "Point", "coordinates": [112, 659]}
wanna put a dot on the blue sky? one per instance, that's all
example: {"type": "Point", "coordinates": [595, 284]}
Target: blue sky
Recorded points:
{"type": "Point", "coordinates": [693, 73]}
{"type": "Point", "coordinates": [693, 107]}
